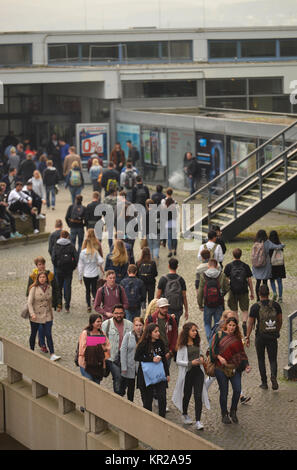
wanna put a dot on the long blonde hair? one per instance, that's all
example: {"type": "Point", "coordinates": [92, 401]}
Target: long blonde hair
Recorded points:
{"type": "Point", "coordinates": [91, 243]}
{"type": "Point", "coordinates": [119, 253]}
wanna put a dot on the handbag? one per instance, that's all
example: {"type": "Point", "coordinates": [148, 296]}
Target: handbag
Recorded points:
{"type": "Point", "coordinates": [209, 367]}
{"type": "Point", "coordinates": [25, 312]}
{"type": "Point", "coordinates": [153, 372]}
{"type": "Point", "coordinates": [228, 370]}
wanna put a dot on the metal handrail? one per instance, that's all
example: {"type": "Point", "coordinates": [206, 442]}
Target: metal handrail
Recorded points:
{"type": "Point", "coordinates": [235, 165]}
{"type": "Point", "coordinates": [255, 174]}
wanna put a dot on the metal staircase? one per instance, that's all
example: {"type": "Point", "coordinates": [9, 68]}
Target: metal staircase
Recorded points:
{"type": "Point", "coordinates": [250, 188]}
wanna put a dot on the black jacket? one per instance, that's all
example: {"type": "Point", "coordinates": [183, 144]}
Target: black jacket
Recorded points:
{"type": "Point", "coordinates": [143, 355]}
{"type": "Point", "coordinates": [90, 218]}
{"type": "Point", "coordinates": [110, 174]}
{"type": "Point", "coordinates": [70, 221]}
{"type": "Point", "coordinates": [50, 176]}
{"type": "Point", "coordinates": [26, 170]}
{"type": "Point", "coordinates": [192, 167]}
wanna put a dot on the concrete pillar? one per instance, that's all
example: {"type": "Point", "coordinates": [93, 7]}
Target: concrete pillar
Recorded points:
{"type": "Point", "coordinates": [13, 375]}
{"type": "Point", "coordinates": [200, 51]}
{"type": "Point", "coordinates": [38, 390]}
{"type": "Point", "coordinates": [65, 406]}
{"type": "Point", "coordinates": [2, 409]}
{"type": "Point", "coordinates": [126, 441]}
{"type": "Point", "coordinates": [97, 424]}
{"type": "Point", "coordinates": [85, 109]}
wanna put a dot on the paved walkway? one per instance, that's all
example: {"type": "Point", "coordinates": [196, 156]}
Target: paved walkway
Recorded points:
{"type": "Point", "coordinates": [268, 422]}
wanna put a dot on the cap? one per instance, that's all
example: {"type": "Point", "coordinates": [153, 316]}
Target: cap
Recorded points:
{"type": "Point", "coordinates": [162, 302]}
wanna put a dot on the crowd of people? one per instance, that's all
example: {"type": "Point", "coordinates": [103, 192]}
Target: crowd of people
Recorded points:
{"type": "Point", "coordinates": [139, 324]}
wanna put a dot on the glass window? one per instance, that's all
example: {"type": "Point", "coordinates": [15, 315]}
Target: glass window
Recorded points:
{"type": "Point", "coordinates": [172, 89]}
{"type": "Point", "coordinates": [180, 50]}
{"type": "Point", "coordinates": [226, 102]}
{"type": "Point", "coordinates": [265, 86]}
{"type": "Point", "coordinates": [232, 86]}
{"type": "Point", "coordinates": [258, 48]}
{"type": "Point", "coordinates": [142, 50]}
{"type": "Point", "coordinates": [275, 104]}
{"type": "Point", "coordinates": [288, 47]}
{"type": "Point", "coordinates": [100, 52]}
{"type": "Point", "coordinates": [11, 54]}
{"type": "Point", "coordinates": [222, 49]}
{"type": "Point", "coordinates": [63, 52]}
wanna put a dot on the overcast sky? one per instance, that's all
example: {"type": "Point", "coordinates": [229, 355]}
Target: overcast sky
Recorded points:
{"type": "Point", "coordinates": [63, 15]}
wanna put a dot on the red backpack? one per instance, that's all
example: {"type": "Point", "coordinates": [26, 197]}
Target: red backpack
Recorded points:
{"type": "Point", "coordinates": [212, 292]}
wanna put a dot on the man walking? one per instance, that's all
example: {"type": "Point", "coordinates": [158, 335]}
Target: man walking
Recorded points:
{"type": "Point", "coordinates": [269, 322]}
{"type": "Point", "coordinates": [213, 246]}
{"type": "Point", "coordinates": [115, 329]}
{"type": "Point", "coordinates": [240, 276]}
{"type": "Point", "coordinates": [109, 295]}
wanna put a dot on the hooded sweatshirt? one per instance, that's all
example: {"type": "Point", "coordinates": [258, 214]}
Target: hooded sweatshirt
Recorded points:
{"type": "Point", "coordinates": [200, 270]}
{"type": "Point", "coordinates": [50, 176]}
{"type": "Point", "coordinates": [212, 273]}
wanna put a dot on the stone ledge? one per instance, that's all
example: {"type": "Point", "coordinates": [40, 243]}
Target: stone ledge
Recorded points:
{"type": "Point", "coordinates": [31, 238]}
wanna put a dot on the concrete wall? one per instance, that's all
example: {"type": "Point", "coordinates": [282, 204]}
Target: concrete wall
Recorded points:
{"type": "Point", "coordinates": [42, 411]}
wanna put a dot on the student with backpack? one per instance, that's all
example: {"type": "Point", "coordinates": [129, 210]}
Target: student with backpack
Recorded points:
{"type": "Point", "coordinates": [65, 259]}
{"type": "Point", "coordinates": [109, 295]}
{"type": "Point", "coordinates": [135, 292]}
{"type": "Point", "coordinates": [261, 264]}
{"type": "Point", "coordinates": [240, 276]}
{"type": "Point", "coordinates": [74, 180]}
{"type": "Point", "coordinates": [268, 314]}
{"type": "Point", "coordinates": [213, 287]}
{"type": "Point", "coordinates": [173, 288]}
{"type": "Point", "coordinates": [128, 180]}
{"type": "Point", "coordinates": [110, 179]}
{"type": "Point", "coordinates": [213, 246]}
{"type": "Point", "coordinates": [147, 272]}
{"type": "Point", "coordinates": [278, 270]}
{"type": "Point", "coordinates": [140, 192]}
{"type": "Point", "coordinates": [75, 219]}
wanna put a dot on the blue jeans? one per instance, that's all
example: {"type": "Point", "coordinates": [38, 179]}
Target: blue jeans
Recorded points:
{"type": "Point", "coordinates": [118, 385]}
{"type": "Point", "coordinates": [74, 191]}
{"type": "Point", "coordinates": [192, 184]}
{"type": "Point", "coordinates": [45, 331]}
{"type": "Point", "coordinates": [223, 382]}
{"type": "Point", "coordinates": [132, 313]}
{"type": "Point", "coordinates": [77, 232]}
{"type": "Point", "coordinates": [154, 246]}
{"type": "Point", "coordinates": [85, 374]}
{"type": "Point", "coordinates": [209, 313]}
{"type": "Point", "coordinates": [279, 284]}
{"type": "Point", "coordinates": [64, 282]}
{"type": "Point", "coordinates": [50, 191]}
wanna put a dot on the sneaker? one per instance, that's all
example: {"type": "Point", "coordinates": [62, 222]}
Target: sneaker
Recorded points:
{"type": "Point", "coordinates": [169, 255]}
{"type": "Point", "coordinates": [12, 235]}
{"type": "Point", "coordinates": [199, 426]}
{"type": "Point", "coordinates": [280, 300]}
{"type": "Point", "coordinates": [155, 402]}
{"type": "Point", "coordinates": [274, 297]}
{"type": "Point", "coordinates": [187, 419]}
{"type": "Point", "coordinates": [233, 416]}
{"type": "Point", "coordinates": [44, 349]}
{"type": "Point", "coordinates": [274, 383]}
{"type": "Point", "coordinates": [167, 409]}
{"type": "Point", "coordinates": [18, 235]}
{"type": "Point", "coordinates": [175, 255]}
{"type": "Point", "coordinates": [36, 231]}
{"type": "Point", "coordinates": [54, 357]}
{"type": "Point", "coordinates": [89, 309]}
{"type": "Point", "coordinates": [53, 208]}
{"type": "Point", "coordinates": [2, 239]}
{"type": "Point", "coordinates": [40, 216]}
{"type": "Point", "coordinates": [264, 386]}
{"type": "Point", "coordinates": [244, 400]}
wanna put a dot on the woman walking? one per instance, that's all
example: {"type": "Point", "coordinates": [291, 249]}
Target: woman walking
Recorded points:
{"type": "Point", "coordinates": [261, 264]}
{"type": "Point", "coordinates": [74, 180]}
{"type": "Point", "coordinates": [41, 312]}
{"type": "Point", "coordinates": [117, 260]}
{"type": "Point", "coordinates": [190, 374]}
{"type": "Point", "coordinates": [230, 359]}
{"type": "Point", "coordinates": [151, 350]}
{"type": "Point", "coordinates": [91, 357]}
{"type": "Point", "coordinates": [129, 367]}
{"type": "Point", "coordinates": [147, 272]}
{"type": "Point", "coordinates": [278, 270]}
{"type": "Point", "coordinates": [153, 228]}
{"type": "Point", "coordinates": [94, 173]}
{"type": "Point", "coordinates": [171, 206]}
{"type": "Point", "coordinates": [89, 268]}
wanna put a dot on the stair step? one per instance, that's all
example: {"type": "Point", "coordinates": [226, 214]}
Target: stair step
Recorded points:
{"type": "Point", "coordinates": [276, 180]}
{"type": "Point", "coordinates": [292, 168]}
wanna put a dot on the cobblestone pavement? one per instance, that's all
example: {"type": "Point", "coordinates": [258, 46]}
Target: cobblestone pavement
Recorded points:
{"type": "Point", "coordinates": [267, 422]}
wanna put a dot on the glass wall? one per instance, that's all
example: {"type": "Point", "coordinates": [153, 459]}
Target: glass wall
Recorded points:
{"type": "Point", "coordinates": [159, 89]}
{"type": "Point", "coordinates": [252, 49]}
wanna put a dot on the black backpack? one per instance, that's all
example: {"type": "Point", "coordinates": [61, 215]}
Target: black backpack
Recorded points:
{"type": "Point", "coordinates": [133, 292]}
{"type": "Point", "coordinates": [145, 272]}
{"type": "Point", "coordinates": [173, 293]}
{"type": "Point", "coordinates": [65, 258]}
{"type": "Point", "coordinates": [77, 213]}
{"type": "Point", "coordinates": [141, 196]}
{"type": "Point", "coordinates": [238, 283]}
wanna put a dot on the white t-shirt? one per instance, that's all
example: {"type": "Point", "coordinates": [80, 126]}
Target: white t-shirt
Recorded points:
{"type": "Point", "coordinates": [218, 253]}
{"type": "Point", "coordinates": [88, 265]}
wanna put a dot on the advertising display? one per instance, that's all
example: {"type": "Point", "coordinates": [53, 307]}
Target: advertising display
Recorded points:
{"type": "Point", "coordinates": [154, 144]}
{"type": "Point", "coordinates": [92, 138]}
{"type": "Point", "coordinates": [210, 155]}
{"type": "Point", "coordinates": [239, 149]}
{"type": "Point", "coordinates": [128, 132]}
{"type": "Point", "coordinates": [179, 143]}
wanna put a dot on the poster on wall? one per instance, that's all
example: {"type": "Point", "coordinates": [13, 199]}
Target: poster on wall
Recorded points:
{"type": "Point", "coordinates": [146, 145]}
{"type": "Point", "coordinates": [239, 149]}
{"type": "Point", "coordinates": [128, 132]}
{"type": "Point", "coordinates": [154, 145]}
{"type": "Point", "coordinates": [210, 155]}
{"type": "Point", "coordinates": [180, 142]}
{"type": "Point", "coordinates": [92, 138]}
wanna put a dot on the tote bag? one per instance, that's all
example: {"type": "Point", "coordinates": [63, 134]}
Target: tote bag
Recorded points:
{"type": "Point", "coordinates": [153, 372]}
